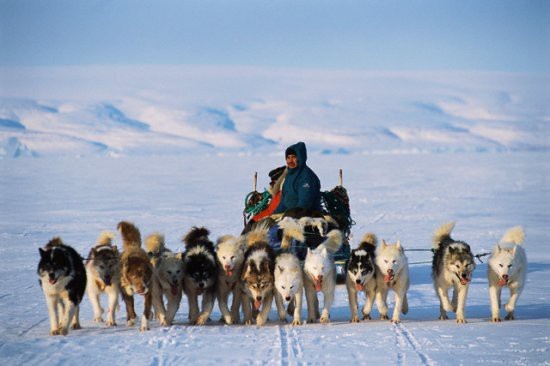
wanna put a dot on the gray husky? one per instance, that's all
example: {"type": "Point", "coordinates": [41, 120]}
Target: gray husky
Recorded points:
{"type": "Point", "coordinates": [452, 266]}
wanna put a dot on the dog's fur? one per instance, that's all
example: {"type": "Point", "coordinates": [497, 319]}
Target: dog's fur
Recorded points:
{"type": "Point", "coordinates": [507, 267]}
{"type": "Point", "coordinates": [452, 266]}
{"type": "Point", "coordinates": [155, 247]}
{"type": "Point", "coordinates": [200, 274]}
{"type": "Point", "coordinates": [62, 277]}
{"type": "Point", "coordinates": [230, 255]}
{"type": "Point", "coordinates": [169, 272]}
{"type": "Point", "coordinates": [289, 285]}
{"type": "Point", "coordinates": [292, 229]}
{"type": "Point", "coordinates": [257, 276]}
{"type": "Point", "coordinates": [138, 277]}
{"type": "Point", "coordinates": [392, 272]}
{"type": "Point", "coordinates": [103, 271]}
{"type": "Point", "coordinates": [361, 276]}
{"type": "Point", "coordinates": [320, 275]}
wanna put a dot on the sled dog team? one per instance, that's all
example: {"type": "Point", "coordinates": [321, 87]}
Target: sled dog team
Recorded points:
{"type": "Point", "coordinates": [247, 268]}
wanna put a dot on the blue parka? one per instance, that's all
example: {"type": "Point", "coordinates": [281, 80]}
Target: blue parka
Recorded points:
{"type": "Point", "coordinates": [302, 187]}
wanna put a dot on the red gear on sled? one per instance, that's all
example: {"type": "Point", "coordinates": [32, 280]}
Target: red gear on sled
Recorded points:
{"type": "Point", "coordinates": [270, 208]}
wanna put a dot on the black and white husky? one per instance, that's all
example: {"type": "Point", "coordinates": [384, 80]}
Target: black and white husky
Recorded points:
{"type": "Point", "coordinates": [200, 274]}
{"type": "Point", "coordinates": [507, 267]}
{"type": "Point", "coordinates": [361, 276]}
{"type": "Point", "coordinates": [103, 271]}
{"type": "Point", "coordinates": [452, 266]}
{"type": "Point", "coordinates": [63, 279]}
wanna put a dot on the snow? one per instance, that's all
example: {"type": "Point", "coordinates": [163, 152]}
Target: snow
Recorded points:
{"type": "Point", "coordinates": [169, 148]}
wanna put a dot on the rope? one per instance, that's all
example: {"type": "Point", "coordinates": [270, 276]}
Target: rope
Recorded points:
{"type": "Point", "coordinates": [254, 203]}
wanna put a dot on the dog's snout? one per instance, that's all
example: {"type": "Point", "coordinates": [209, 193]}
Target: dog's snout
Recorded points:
{"type": "Point", "coordinates": [201, 284]}
{"type": "Point", "coordinates": [464, 275]}
{"type": "Point", "coordinates": [358, 281]}
{"type": "Point", "coordinates": [258, 298]}
{"type": "Point", "coordinates": [505, 277]}
{"type": "Point", "coordinates": [390, 271]}
{"type": "Point", "coordinates": [287, 298]}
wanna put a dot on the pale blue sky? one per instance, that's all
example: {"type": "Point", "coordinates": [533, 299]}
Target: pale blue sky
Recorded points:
{"type": "Point", "coordinates": [497, 35]}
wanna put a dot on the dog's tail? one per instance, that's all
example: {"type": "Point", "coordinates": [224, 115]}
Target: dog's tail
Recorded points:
{"type": "Point", "coordinates": [131, 236]}
{"type": "Point", "coordinates": [291, 230]}
{"type": "Point", "coordinates": [155, 243]}
{"type": "Point", "coordinates": [258, 234]}
{"type": "Point", "coordinates": [443, 234]}
{"type": "Point", "coordinates": [333, 241]}
{"type": "Point", "coordinates": [369, 239]}
{"type": "Point", "coordinates": [106, 238]}
{"type": "Point", "coordinates": [515, 235]}
{"type": "Point", "coordinates": [196, 234]}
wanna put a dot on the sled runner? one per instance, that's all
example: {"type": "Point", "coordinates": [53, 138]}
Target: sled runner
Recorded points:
{"type": "Point", "coordinates": [335, 212]}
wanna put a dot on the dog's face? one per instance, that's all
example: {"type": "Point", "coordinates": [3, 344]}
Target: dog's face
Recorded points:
{"type": "Point", "coordinates": [317, 266]}
{"type": "Point", "coordinates": [200, 268]}
{"type": "Point", "coordinates": [230, 255]}
{"type": "Point", "coordinates": [504, 263]}
{"type": "Point", "coordinates": [54, 264]}
{"type": "Point", "coordinates": [106, 263]}
{"type": "Point", "coordinates": [287, 281]}
{"type": "Point", "coordinates": [170, 270]}
{"type": "Point", "coordinates": [360, 268]}
{"type": "Point", "coordinates": [390, 259]}
{"type": "Point", "coordinates": [138, 274]}
{"type": "Point", "coordinates": [258, 277]}
{"type": "Point", "coordinates": [460, 261]}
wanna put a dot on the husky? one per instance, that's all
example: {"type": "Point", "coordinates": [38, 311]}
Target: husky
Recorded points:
{"type": "Point", "coordinates": [320, 275]}
{"type": "Point", "coordinates": [155, 248]}
{"type": "Point", "coordinates": [62, 276]}
{"type": "Point", "coordinates": [507, 267]}
{"type": "Point", "coordinates": [257, 276]}
{"type": "Point", "coordinates": [169, 270]}
{"type": "Point", "coordinates": [392, 272]}
{"type": "Point", "coordinates": [103, 271]}
{"type": "Point", "coordinates": [230, 255]}
{"type": "Point", "coordinates": [361, 276]}
{"type": "Point", "coordinates": [289, 285]}
{"type": "Point", "coordinates": [292, 229]}
{"type": "Point", "coordinates": [138, 277]}
{"type": "Point", "coordinates": [452, 266]}
{"type": "Point", "coordinates": [200, 274]}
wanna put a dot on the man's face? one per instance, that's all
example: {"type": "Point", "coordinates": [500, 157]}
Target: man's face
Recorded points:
{"type": "Point", "coordinates": [291, 161]}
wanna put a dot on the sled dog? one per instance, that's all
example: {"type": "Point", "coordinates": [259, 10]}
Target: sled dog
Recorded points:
{"type": "Point", "coordinates": [361, 276]}
{"type": "Point", "coordinates": [507, 267]}
{"type": "Point", "coordinates": [392, 272]}
{"type": "Point", "coordinates": [155, 248]}
{"type": "Point", "coordinates": [320, 275]}
{"type": "Point", "coordinates": [452, 266]}
{"type": "Point", "coordinates": [103, 271]}
{"type": "Point", "coordinates": [62, 276]}
{"type": "Point", "coordinates": [257, 276]}
{"type": "Point", "coordinates": [292, 229]}
{"type": "Point", "coordinates": [289, 285]}
{"type": "Point", "coordinates": [137, 276]}
{"type": "Point", "coordinates": [169, 270]}
{"type": "Point", "coordinates": [230, 255]}
{"type": "Point", "coordinates": [200, 274]}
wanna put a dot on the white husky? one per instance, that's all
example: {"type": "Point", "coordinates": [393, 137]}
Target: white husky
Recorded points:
{"type": "Point", "coordinates": [230, 254]}
{"type": "Point", "coordinates": [507, 267]}
{"type": "Point", "coordinates": [392, 272]}
{"type": "Point", "coordinates": [289, 286]}
{"type": "Point", "coordinates": [170, 277]}
{"type": "Point", "coordinates": [320, 275]}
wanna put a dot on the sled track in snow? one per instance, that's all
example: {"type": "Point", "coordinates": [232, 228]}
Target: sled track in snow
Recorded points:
{"type": "Point", "coordinates": [405, 336]}
{"type": "Point", "coordinates": [291, 349]}
{"type": "Point", "coordinates": [24, 332]}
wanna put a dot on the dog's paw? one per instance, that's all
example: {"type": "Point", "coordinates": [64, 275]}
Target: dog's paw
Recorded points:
{"type": "Point", "coordinates": [227, 320]}
{"type": "Point", "coordinates": [248, 322]}
{"type": "Point", "coordinates": [496, 319]}
{"type": "Point", "coordinates": [76, 326]}
{"type": "Point", "coordinates": [98, 319]}
{"type": "Point", "coordinates": [384, 317]}
{"type": "Point", "coordinates": [355, 319]}
{"type": "Point", "coordinates": [144, 328]}
{"type": "Point", "coordinates": [461, 321]}
{"type": "Point", "coordinates": [110, 323]}
{"type": "Point", "coordinates": [55, 332]}
{"type": "Point", "coordinates": [396, 320]}
{"type": "Point", "coordinates": [296, 322]}
{"type": "Point", "coordinates": [366, 317]}
{"type": "Point", "coordinates": [443, 317]}
{"type": "Point", "coordinates": [63, 331]}
{"type": "Point", "coordinates": [131, 322]}
{"type": "Point", "coordinates": [325, 319]}
{"type": "Point", "coordinates": [509, 316]}
{"type": "Point", "coordinates": [202, 319]}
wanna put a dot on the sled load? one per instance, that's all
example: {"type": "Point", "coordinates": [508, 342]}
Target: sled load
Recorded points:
{"type": "Point", "coordinates": [314, 225]}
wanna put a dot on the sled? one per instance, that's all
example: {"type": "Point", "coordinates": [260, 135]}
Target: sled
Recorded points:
{"type": "Point", "coordinates": [335, 204]}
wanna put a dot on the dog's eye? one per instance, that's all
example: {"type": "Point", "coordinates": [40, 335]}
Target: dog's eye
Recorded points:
{"type": "Point", "coordinates": [283, 287]}
{"type": "Point", "coordinates": [457, 266]}
{"type": "Point", "coordinates": [394, 261]}
{"type": "Point", "coordinates": [101, 267]}
{"type": "Point", "coordinates": [501, 266]}
{"type": "Point", "coordinates": [169, 272]}
{"type": "Point", "coordinates": [509, 266]}
{"type": "Point", "coordinates": [232, 257]}
{"type": "Point", "coordinates": [223, 257]}
{"type": "Point", "coordinates": [291, 287]}
{"type": "Point", "coordinates": [385, 261]}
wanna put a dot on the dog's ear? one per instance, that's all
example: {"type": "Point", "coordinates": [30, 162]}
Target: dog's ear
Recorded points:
{"type": "Point", "coordinates": [281, 269]}
{"type": "Point", "coordinates": [514, 250]}
{"type": "Point", "coordinates": [115, 249]}
{"type": "Point", "coordinates": [43, 253]}
{"type": "Point", "coordinates": [324, 252]}
{"type": "Point", "coordinates": [384, 244]}
{"type": "Point", "coordinates": [179, 256]}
